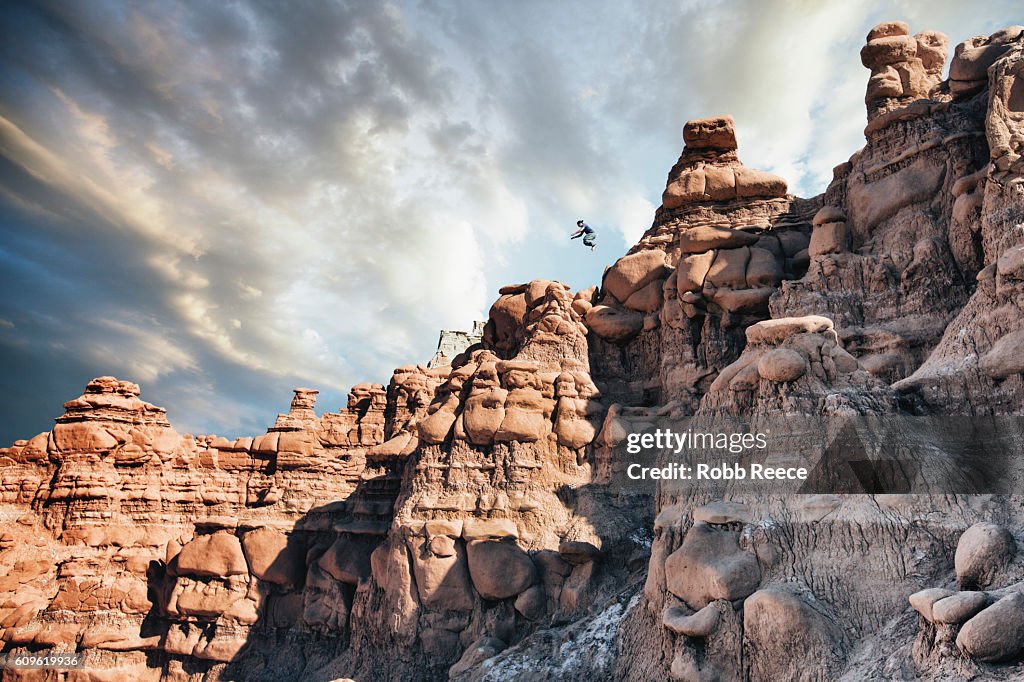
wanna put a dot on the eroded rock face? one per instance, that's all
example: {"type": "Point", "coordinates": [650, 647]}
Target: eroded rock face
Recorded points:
{"type": "Point", "coordinates": [1004, 122]}
{"type": "Point", "coordinates": [110, 418]}
{"type": "Point", "coordinates": [789, 635]}
{"type": "Point", "coordinates": [968, 70]}
{"type": "Point", "coordinates": [724, 240]}
{"type": "Point", "coordinates": [904, 68]}
{"type": "Point", "coordinates": [305, 527]}
{"type": "Point", "coordinates": [709, 169]}
{"type": "Point", "coordinates": [710, 566]}
{"type": "Point", "coordinates": [904, 217]}
{"type": "Point", "coordinates": [795, 365]}
{"type": "Point", "coordinates": [149, 524]}
{"type": "Point", "coordinates": [923, 208]}
{"type": "Point", "coordinates": [455, 520]}
{"type": "Point", "coordinates": [971, 370]}
{"type": "Point", "coordinates": [216, 555]}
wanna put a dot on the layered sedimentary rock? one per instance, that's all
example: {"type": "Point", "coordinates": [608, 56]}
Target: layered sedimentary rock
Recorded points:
{"type": "Point", "coordinates": [202, 535]}
{"type": "Point", "coordinates": [902, 310]}
{"type": "Point", "coordinates": [468, 520]}
{"type": "Point", "coordinates": [448, 507]}
{"type": "Point", "coordinates": [904, 67]}
{"type": "Point", "coordinates": [704, 271]}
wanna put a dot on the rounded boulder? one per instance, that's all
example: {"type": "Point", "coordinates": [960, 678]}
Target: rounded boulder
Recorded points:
{"type": "Point", "coordinates": [614, 323]}
{"type": "Point", "coordinates": [997, 633]}
{"type": "Point", "coordinates": [500, 569]}
{"type": "Point", "coordinates": [217, 555]}
{"type": "Point", "coordinates": [782, 365]}
{"type": "Point", "coordinates": [982, 552]}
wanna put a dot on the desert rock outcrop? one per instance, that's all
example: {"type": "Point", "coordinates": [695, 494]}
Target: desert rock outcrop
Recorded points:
{"type": "Point", "coordinates": [469, 520]}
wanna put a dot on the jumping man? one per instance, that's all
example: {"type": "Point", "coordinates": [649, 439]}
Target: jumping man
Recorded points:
{"type": "Point", "coordinates": [589, 235]}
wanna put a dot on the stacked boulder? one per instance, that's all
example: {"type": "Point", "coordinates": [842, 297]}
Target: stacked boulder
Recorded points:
{"type": "Point", "coordinates": [978, 620]}
{"type": "Point", "coordinates": [904, 68]}
{"type": "Point", "coordinates": [794, 365]}
{"type": "Point", "coordinates": [709, 170]}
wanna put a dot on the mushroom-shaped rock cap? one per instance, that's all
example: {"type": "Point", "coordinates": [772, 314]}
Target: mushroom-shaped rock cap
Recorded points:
{"type": "Point", "coordinates": [973, 57]}
{"type": "Point", "coordinates": [718, 132]}
{"type": "Point", "coordinates": [305, 398]}
{"type": "Point", "coordinates": [108, 384]}
{"type": "Point", "coordinates": [889, 50]}
{"type": "Point", "coordinates": [108, 398]}
{"type": "Point", "coordinates": [708, 170]}
{"type": "Point", "coordinates": [888, 29]}
{"type": "Point", "coordinates": [904, 67]}
{"type": "Point", "coordinates": [776, 330]}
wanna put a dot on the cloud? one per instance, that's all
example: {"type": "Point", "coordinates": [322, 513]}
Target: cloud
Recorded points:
{"type": "Point", "coordinates": [787, 70]}
{"type": "Point", "coordinates": [226, 200]}
{"type": "Point", "coordinates": [145, 352]}
{"type": "Point", "coordinates": [247, 173]}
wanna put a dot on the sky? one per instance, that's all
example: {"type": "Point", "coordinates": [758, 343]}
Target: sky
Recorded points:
{"type": "Point", "coordinates": [222, 201]}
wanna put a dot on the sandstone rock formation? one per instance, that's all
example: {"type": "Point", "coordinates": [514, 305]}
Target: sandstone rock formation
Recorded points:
{"type": "Point", "coordinates": [709, 169]}
{"type": "Point", "coordinates": [468, 521]}
{"type": "Point", "coordinates": [904, 68]}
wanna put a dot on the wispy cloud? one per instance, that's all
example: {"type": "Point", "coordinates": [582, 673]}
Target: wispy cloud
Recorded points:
{"type": "Point", "coordinates": [224, 200]}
